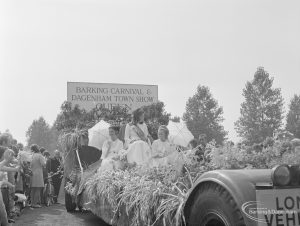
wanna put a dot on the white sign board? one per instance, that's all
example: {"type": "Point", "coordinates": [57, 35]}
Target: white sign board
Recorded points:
{"type": "Point", "coordinates": [108, 95]}
{"type": "Point", "coordinates": [274, 207]}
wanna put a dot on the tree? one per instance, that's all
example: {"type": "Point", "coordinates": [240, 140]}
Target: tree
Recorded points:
{"type": "Point", "coordinates": [75, 117]}
{"type": "Point", "coordinates": [41, 134]}
{"type": "Point", "coordinates": [155, 115]}
{"type": "Point", "coordinates": [175, 119]}
{"type": "Point", "coordinates": [204, 116]}
{"type": "Point", "coordinates": [156, 112]}
{"type": "Point", "coordinates": [262, 110]}
{"type": "Point", "coordinates": [71, 117]}
{"type": "Point", "coordinates": [293, 117]}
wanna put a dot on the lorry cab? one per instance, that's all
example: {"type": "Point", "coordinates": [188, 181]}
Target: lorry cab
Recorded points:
{"type": "Point", "coordinates": [260, 197]}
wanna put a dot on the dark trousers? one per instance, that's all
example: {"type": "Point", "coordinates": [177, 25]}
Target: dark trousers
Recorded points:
{"type": "Point", "coordinates": [56, 184]}
{"type": "Point", "coordinates": [5, 197]}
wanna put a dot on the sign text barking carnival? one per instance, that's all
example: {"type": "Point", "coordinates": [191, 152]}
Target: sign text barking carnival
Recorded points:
{"type": "Point", "coordinates": [107, 95]}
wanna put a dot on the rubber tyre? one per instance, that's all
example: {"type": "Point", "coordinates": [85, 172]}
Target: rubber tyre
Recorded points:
{"type": "Point", "coordinates": [70, 205]}
{"type": "Point", "coordinates": [214, 206]}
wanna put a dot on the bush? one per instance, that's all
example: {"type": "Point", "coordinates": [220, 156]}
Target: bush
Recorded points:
{"type": "Point", "coordinates": [256, 156]}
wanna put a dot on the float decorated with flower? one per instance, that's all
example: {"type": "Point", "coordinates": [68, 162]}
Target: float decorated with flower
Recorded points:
{"type": "Point", "coordinates": [205, 185]}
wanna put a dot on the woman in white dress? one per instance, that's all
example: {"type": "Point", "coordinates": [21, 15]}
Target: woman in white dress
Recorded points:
{"type": "Point", "coordinates": [137, 139]}
{"type": "Point", "coordinates": [110, 151]}
{"type": "Point", "coordinates": [162, 149]}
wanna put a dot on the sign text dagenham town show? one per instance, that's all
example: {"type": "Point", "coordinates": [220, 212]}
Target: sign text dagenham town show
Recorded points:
{"type": "Point", "coordinates": [90, 95]}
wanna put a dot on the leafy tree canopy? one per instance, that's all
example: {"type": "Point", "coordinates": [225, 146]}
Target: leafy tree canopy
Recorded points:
{"type": "Point", "coordinates": [293, 117]}
{"type": "Point", "coordinates": [175, 119]}
{"type": "Point", "coordinates": [42, 134]}
{"type": "Point", "coordinates": [204, 116]}
{"type": "Point", "coordinates": [262, 110]}
{"type": "Point", "coordinates": [155, 115]}
{"type": "Point", "coordinates": [72, 117]}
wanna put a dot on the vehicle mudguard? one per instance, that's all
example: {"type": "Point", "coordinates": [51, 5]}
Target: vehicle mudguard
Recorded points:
{"type": "Point", "coordinates": [241, 184]}
{"type": "Point", "coordinates": [89, 155]}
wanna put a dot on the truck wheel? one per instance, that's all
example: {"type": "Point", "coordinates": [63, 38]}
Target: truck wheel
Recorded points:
{"type": "Point", "coordinates": [214, 206]}
{"type": "Point", "coordinates": [70, 205]}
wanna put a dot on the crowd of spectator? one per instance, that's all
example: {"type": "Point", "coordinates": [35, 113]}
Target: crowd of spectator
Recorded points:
{"type": "Point", "coordinates": [32, 172]}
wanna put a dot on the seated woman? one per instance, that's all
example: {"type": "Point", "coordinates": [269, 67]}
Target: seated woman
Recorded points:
{"type": "Point", "coordinates": [162, 148]}
{"type": "Point", "coordinates": [137, 139]}
{"type": "Point", "coordinates": [165, 153]}
{"type": "Point", "coordinates": [110, 151]}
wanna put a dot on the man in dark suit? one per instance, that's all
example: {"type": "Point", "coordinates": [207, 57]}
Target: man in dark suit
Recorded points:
{"type": "Point", "coordinates": [54, 167]}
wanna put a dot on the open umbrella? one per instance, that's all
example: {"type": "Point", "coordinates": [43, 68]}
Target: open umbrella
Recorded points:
{"type": "Point", "coordinates": [98, 134]}
{"type": "Point", "coordinates": [179, 133]}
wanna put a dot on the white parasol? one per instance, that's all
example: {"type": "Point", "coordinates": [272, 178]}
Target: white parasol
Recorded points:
{"type": "Point", "coordinates": [179, 133]}
{"type": "Point", "coordinates": [98, 134]}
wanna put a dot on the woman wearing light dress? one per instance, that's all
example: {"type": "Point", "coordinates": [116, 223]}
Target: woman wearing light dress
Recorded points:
{"type": "Point", "coordinates": [137, 140]}
{"type": "Point", "coordinates": [110, 151]}
{"type": "Point", "coordinates": [163, 152]}
{"type": "Point", "coordinates": [37, 180]}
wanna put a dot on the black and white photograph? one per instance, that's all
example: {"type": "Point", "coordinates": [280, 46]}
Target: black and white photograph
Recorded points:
{"type": "Point", "coordinates": [149, 113]}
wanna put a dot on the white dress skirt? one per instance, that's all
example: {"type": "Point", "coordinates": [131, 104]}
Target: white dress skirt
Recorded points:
{"type": "Point", "coordinates": [110, 164]}
{"type": "Point", "coordinates": [108, 153]}
{"type": "Point", "coordinates": [139, 152]}
{"type": "Point", "coordinates": [173, 159]}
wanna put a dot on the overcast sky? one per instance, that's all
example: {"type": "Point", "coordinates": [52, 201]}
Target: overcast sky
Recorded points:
{"type": "Point", "coordinates": [176, 45]}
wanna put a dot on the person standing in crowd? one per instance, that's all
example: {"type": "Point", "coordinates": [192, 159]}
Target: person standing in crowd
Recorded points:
{"type": "Point", "coordinates": [24, 159]}
{"type": "Point", "coordinates": [37, 180]}
{"type": "Point", "coordinates": [42, 149]}
{"type": "Point", "coordinates": [6, 142]}
{"type": "Point", "coordinates": [6, 186]}
{"type": "Point", "coordinates": [15, 149]}
{"type": "Point", "coordinates": [46, 155]}
{"type": "Point", "coordinates": [20, 146]}
{"type": "Point", "coordinates": [12, 177]}
{"type": "Point", "coordinates": [54, 166]}
{"type": "Point", "coordinates": [3, 214]}
{"type": "Point", "coordinates": [45, 174]}
{"type": "Point", "coordinates": [19, 188]}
